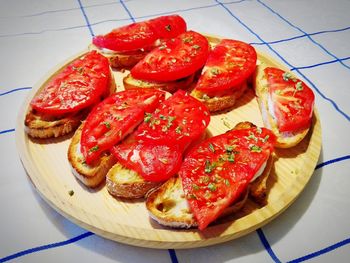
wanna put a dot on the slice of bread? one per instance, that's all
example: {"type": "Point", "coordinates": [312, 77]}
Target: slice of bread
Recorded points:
{"type": "Point", "coordinates": [168, 206]}
{"type": "Point", "coordinates": [184, 83]}
{"type": "Point", "coordinates": [284, 139]}
{"type": "Point", "coordinates": [121, 59]}
{"type": "Point", "coordinates": [44, 126]}
{"type": "Point", "coordinates": [219, 102]}
{"type": "Point", "coordinates": [126, 183]}
{"type": "Point", "coordinates": [90, 175]}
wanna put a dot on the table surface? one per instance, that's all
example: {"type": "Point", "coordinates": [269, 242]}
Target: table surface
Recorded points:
{"type": "Point", "coordinates": [310, 37]}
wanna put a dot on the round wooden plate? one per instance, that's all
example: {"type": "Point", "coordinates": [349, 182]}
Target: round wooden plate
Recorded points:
{"type": "Point", "coordinates": [128, 222]}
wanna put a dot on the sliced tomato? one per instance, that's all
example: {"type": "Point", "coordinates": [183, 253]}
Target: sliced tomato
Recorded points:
{"type": "Point", "coordinates": [174, 59]}
{"type": "Point", "coordinates": [229, 65]}
{"type": "Point", "coordinates": [79, 85]}
{"type": "Point", "coordinates": [141, 34]}
{"type": "Point", "coordinates": [180, 119]}
{"type": "Point", "coordinates": [155, 162]}
{"type": "Point", "coordinates": [292, 100]}
{"type": "Point", "coordinates": [168, 26]}
{"type": "Point", "coordinates": [114, 118]}
{"type": "Point", "coordinates": [160, 141]}
{"type": "Point", "coordinates": [216, 172]}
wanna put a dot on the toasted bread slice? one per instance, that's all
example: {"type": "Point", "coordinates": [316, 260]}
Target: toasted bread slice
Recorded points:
{"type": "Point", "coordinates": [90, 175]}
{"type": "Point", "coordinates": [284, 139]}
{"type": "Point", "coordinates": [126, 183]}
{"type": "Point", "coordinates": [168, 206]}
{"type": "Point", "coordinates": [219, 102]}
{"type": "Point", "coordinates": [121, 59]}
{"type": "Point", "coordinates": [184, 83]}
{"type": "Point", "coordinates": [43, 126]}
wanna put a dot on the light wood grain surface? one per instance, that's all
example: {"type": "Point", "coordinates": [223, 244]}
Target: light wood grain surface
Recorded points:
{"type": "Point", "coordinates": [127, 221]}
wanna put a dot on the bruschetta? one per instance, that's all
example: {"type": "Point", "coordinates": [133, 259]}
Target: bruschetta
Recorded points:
{"type": "Point", "coordinates": [286, 104]}
{"type": "Point", "coordinates": [67, 97]}
{"type": "Point", "coordinates": [224, 77]}
{"type": "Point", "coordinates": [126, 45]}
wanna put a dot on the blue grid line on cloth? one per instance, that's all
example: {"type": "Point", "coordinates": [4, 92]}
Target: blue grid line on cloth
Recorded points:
{"type": "Point", "coordinates": [127, 10]}
{"type": "Point", "coordinates": [45, 247]}
{"type": "Point", "coordinates": [86, 18]}
{"type": "Point", "coordinates": [334, 104]}
{"type": "Point", "coordinates": [321, 64]}
{"type": "Point", "coordinates": [336, 160]}
{"type": "Point", "coordinates": [302, 36]}
{"type": "Point", "coordinates": [302, 31]}
{"type": "Point", "coordinates": [7, 131]}
{"type": "Point", "coordinates": [14, 90]}
{"type": "Point", "coordinates": [267, 246]}
{"type": "Point", "coordinates": [265, 242]}
{"type": "Point", "coordinates": [173, 256]}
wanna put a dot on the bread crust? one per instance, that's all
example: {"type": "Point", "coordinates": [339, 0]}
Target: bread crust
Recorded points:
{"type": "Point", "coordinates": [219, 103]}
{"type": "Point", "coordinates": [184, 83]}
{"type": "Point", "coordinates": [126, 183]}
{"type": "Point", "coordinates": [284, 139]}
{"type": "Point", "coordinates": [90, 175]}
{"type": "Point", "coordinates": [121, 59]}
{"type": "Point", "coordinates": [44, 126]}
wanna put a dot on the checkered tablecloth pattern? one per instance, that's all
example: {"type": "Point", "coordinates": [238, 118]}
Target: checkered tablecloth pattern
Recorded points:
{"type": "Point", "coordinates": [311, 37]}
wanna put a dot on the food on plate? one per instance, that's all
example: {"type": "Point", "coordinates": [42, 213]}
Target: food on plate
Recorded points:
{"type": "Point", "coordinates": [67, 97]}
{"type": "Point", "coordinates": [286, 104]}
{"type": "Point", "coordinates": [172, 65]}
{"type": "Point", "coordinates": [126, 45]}
{"type": "Point", "coordinates": [154, 152]}
{"type": "Point", "coordinates": [106, 125]}
{"type": "Point", "coordinates": [215, 175]}
{"type": "Point", "coordinates": [224, 77]}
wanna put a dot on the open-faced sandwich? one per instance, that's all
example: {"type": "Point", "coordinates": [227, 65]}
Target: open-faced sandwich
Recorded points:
{"type": "Point", "coordinates": [106, 125]}
{"type": "Point", "coordinates": [224, 77]}
{"type": "Point", "coordinates": [215, 178]}
{"type": "Point", "coordinates": [68, 96]}
{"type": "Point", "coordinates": [126, 45]}
{"type": "Point", "coordinates": [154, 152]}
{"type": "Point", "coordinates": [286, 104]}
{"type": "Point", "coordinates": [172, 65]}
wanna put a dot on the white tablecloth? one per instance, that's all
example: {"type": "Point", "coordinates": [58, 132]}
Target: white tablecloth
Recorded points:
{"type": "Point", "coordinates": [310, 37]}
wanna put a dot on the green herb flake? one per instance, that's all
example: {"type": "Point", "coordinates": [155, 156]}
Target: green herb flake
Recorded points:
{"type": "Point", "coordinates": [196, 46]}
{"type": "Point", "coordinates": [71, 192]}
{"type": "Point", "coordinates": [214, 71]}
{"type": "Point", "coordinates": [258, 130]}
{"type": "Point", "coordinates": [227, 182]}
{"type": "Point", "coordinates": [168, 27]}
{"type": "Point", "coordinates": [255, 149]}
{"type": "Point", "coordinates": [178, 129]}
{"type": "Point", "coordinates": [211, 148]}
{"type": "Point", "coordinates": [209, 167]}
{"type": "Point", "coordinates": [94, 149]}
{"type": "Point", "coordinates": [107, 124]}
{"type": "Point", "coordinates": [195, 187]}
{"type": "Point", "coordinates": [231, 158]}
{"type": "Point", "coordinates": [299, 86]}
{"type": "Point", "coordinates": [287, 76]}
{"type": "Point", "coordinates": [264, 140]}
{"type": "Point", "coordinates": [212, 187]}
{"type": "Point", "coordinates": [162, 117]}
{"type": "Point", "coordinates": [229, 148]}
{"type": "Point", "coordinates": [148, 117]}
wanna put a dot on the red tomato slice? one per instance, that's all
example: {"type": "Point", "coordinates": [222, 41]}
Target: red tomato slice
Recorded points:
{"type": "Point", "coordinates": [155, 162]}
{"type": "Point", "coordinates": [293, 100]}
{"type": "Point", "coordinates": [160, 141]}
{"type": "Point", "coordinates": [141, 34]}
{"type": "Point", "coordinates": [174, 59]}
{"type": "Point", "coordinates": [180, 119]}
{"type": "Point", "coordinates": [114, 118]}
{"type": "Point", "coordinates": [229, 64]}
{"type": "Point", "coordinates": [79, 85]}
{"type": "Point", "coordinates": [216, 172]}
